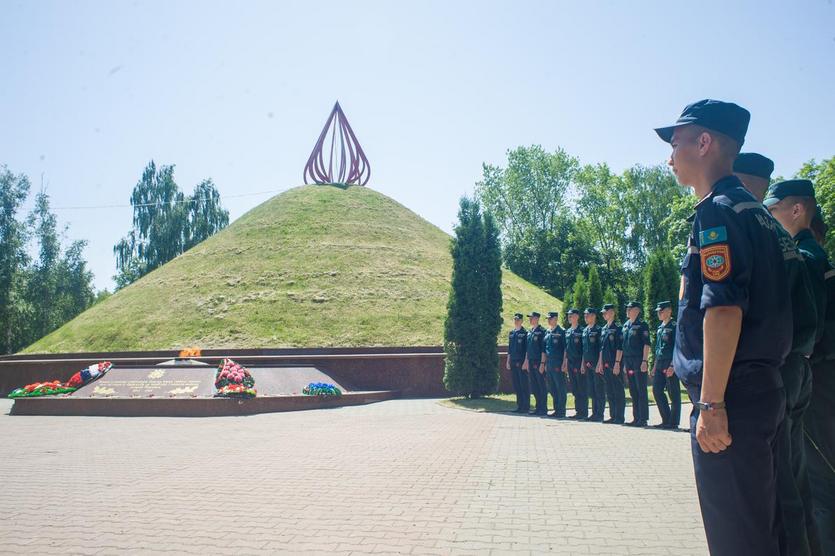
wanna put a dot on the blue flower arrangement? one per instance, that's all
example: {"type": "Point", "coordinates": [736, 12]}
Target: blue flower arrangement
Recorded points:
{"type": "Point", "coordinates": [321, 389]}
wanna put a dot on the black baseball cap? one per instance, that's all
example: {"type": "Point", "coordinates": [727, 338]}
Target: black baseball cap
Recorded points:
{"type": "Point", "coordinates": [754, 164]}
{"type": "Point", "coordinates": [725, 117]}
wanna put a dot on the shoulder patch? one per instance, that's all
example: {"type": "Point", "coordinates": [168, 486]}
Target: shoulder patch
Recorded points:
{"type": "Point", "coordinates": [713, 235]}
{"type": "Point", "coordinates": [716, 262]}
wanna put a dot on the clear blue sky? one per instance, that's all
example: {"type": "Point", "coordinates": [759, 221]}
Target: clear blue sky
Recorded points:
{"type": "Point", "coordinates": [238, 91]}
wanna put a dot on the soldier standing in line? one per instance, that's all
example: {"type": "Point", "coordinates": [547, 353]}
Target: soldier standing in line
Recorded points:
{"type": "Point", "coordinates": [611, 339]}
{"type": "Point", "coordinates": [535, 364]}
{"type": "Point", "coordinates": [595, 387]}
{"type": "Point", "coordinates": [635, 354]}
{"type": "Point", "coordinates": [574, 362]}
{"type": "Point", "coordinates": [664, 376]}
{"type": "Point", "coordinates": [555, 357]}
{"type": "Point", "coordinates": [517, 347]}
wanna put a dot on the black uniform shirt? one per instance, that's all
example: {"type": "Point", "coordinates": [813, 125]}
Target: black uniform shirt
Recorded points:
{"type": "Point", "coordinates": [555, 346]}
{"type": "Point", "coordinates": [536, 345]}
{"type": "Point", "coordinates": [517, 344]}
{"type": "Point", "coordinates": [734, 259]}
{"type": "Point", "coordinates": [611, 340]}
{"type": "Point", "coordinates": [635, 337]}
{"type": "Point", "coordinates": [574, 344]}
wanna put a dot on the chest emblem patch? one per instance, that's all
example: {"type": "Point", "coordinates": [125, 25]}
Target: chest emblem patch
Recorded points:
{"type": "Point", "coordinates": [716, 262]}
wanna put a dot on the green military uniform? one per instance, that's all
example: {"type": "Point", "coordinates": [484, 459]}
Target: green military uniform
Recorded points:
{"type": "Point", "coordinates": [665, 340]}
{"type": "Point", "coordinates": [813, 391]}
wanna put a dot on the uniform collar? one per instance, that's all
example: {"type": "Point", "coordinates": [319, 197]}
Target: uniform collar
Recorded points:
{"type": "Point", "coordinates": [805, 233]}
{"type": "Point", "coordinates": [728, 182]}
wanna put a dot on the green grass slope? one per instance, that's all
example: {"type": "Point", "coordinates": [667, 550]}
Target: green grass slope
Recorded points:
{"type": "Point", "coordinates": [316, 266]}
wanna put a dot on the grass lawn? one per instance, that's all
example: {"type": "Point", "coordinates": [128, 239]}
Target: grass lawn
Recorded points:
{"type": "Point", "coordinates": [316, 266]}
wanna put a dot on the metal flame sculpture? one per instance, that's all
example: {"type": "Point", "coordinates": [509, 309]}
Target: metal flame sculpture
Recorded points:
{"type": "Point", "coordinates": [346, 163]}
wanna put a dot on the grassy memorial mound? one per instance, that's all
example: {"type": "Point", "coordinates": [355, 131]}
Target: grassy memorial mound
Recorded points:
{"type": "Point", "coordinates": [316, 266]}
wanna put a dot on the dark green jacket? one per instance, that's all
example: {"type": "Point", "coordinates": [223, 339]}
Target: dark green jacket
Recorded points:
{"type": "Point", "coordinates": [823, 286]}
{"type": "Point", "coordinates": [555, 347]}
{"type": "Point", "coordinates": [665, 342]}
{"type": "Point", "coordinates": [591, 344]}
{"type": "Point", "coordinates": [804, 302]}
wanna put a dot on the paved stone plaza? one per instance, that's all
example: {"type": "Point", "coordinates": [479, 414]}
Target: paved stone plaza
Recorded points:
{"type": "Point", "coordinates": [405, 476]}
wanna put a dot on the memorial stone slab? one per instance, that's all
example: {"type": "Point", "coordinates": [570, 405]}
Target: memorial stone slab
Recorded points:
{"type": "Point", "coordinates": [153, 382]}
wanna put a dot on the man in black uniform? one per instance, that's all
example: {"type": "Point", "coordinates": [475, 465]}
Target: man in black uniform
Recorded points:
{"type": "Point", "coordinates": [595, 387]}
{"type": "Point", "coordinates": [635, 354]}
{"type": "Point", "coordinates": [793, 491]}
{"type": "Point", "coordinates": [733, 333]}
{"type": "Point", "coordinates": [792, 203]}
{"type": "Point", "coordinates": [535, 364]}
{"type": "Point", "coordinates": [574, 362]}
{"type": "Point", "coordinates": [517, 349]}
{"type": "Point", "coordinates": [611, 340]}
{"type": "Point", "coordinates": [555, 356]}
{"type": "Point", "coordinates": [662, 370]}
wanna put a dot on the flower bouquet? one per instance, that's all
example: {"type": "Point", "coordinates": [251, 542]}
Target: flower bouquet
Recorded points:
{"type": "Point", "coordinates": [92, 372]}
{"type": "Point", "coordinates": [234, 381]}
{"type": "Point", "coordinates": [38, 389]}
{"type": "Point", "coordinates": [321, 389]}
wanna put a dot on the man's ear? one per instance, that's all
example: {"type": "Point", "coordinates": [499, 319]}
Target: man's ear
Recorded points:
{"type": "Point", "coordinates": [705, 140]}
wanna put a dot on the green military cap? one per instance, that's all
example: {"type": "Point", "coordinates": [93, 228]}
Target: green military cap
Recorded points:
{"type": "Point", "coordinates": [789, 188]}
{"type": "Point", "coordinates": [633, 305]}
{"type": "Point", "coordinates": [517, 316]}
{"type": "Point", "coordinates": [607, 307]}
{"type": "Point", "coordinates": [663, 305]}
{"type": "Point", "coordinates": [534, 314]}
{"type": "Point", "coordinates": [553, 314]}
{"type": "Point", "coordinates": [573, 311]}
{"type": "Point", "coordinates": [754, 164]}
{"type": "Point", "coordinates": [589, 311]}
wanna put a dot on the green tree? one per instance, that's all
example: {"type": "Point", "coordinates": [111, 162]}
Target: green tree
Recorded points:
{"type": "Point", "coordinates": [527, 198]}
{"type": "Point", "coordinates": [471, 328]}
{"type": "Point", "coordinates": [74, 284]}
{"type": "Point", "coordinates": [42, 287]}
{"type": "Point", "coordinates": [595, 288]}
{"type": "Point", "coordinates": [580, 294]}
{"type": "Point", "coordinates": [13, 258]}
{"type": "Point", "coordinates": [610, 296]}
{"type": "Point", "coordinates": [165, 222]}
{"type": "Point", "coordinates": [661, 283]}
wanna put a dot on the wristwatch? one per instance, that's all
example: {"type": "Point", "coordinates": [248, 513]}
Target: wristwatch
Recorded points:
{"type": "Point", "coordinates": [709, 406]}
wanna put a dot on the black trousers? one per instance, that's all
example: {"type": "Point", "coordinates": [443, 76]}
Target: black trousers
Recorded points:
{"type": "Point", "coordinates": [521, 386]}
{"type": "Point", "coordinates": [540, 392]}
{"type": "Point", "coordinates": [578, 388]}
{"type": "Point", "coordinates": [819, 422]}
{"type": "Point", "coordinates": [558, 388]}
{"type": "Point", "coordinates": [637, 388]}
{"type": "Point", "coordinates": [596, 387]}
{"type": "Point", "coordinates": [738, 487]}
{"type": "Point", "coordinates": [670, 416]}
{"type": "Point", "coordinates": [614, 393]}
{"type": "Point", "coordinates": [793, 491]}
